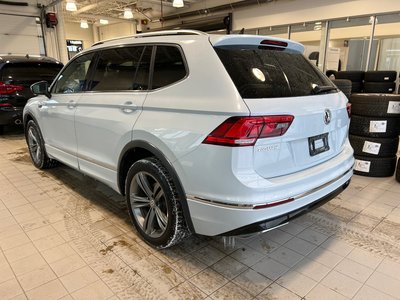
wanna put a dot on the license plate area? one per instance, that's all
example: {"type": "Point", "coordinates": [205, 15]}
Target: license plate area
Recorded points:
{"type": "Point", "coordinates": [318, 144]}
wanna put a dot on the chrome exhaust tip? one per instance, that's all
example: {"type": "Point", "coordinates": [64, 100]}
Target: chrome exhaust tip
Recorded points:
{"type": "Point", "coordinates": [18, 122]}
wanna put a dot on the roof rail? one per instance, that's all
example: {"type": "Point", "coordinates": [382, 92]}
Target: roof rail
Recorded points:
{"type": "Point", "coordinates": [156, 33]}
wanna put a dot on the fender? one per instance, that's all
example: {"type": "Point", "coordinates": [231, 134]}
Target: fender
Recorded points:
{"type": "Point", "coordinates": [167, 164]}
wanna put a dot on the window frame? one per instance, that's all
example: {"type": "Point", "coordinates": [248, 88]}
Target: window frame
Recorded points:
{"type": "Point", "coordinates": [88, 76]}
{"type": "Point", "coordinates": [153, 62]}
{"type": "Point", "coordinates": [93, 71]}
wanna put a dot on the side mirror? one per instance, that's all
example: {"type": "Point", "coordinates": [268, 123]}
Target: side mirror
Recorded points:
{"type": "Point", "coordinates": [41, 88]}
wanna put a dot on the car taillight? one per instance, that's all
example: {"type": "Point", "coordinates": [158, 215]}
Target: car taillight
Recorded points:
{"type": "Point", "coordinates": [9, 88]}
{"type": "Point", "coordinates": [348, 106]}
{"type": "Point", "coordinates": [244, 131]}
{"type": "Point", "coordinates": [5, 105]}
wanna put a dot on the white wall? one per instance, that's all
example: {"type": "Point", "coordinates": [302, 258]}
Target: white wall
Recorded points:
{"type": "Point", "coordinates": [73, 31]}
{"type": "Point", "coordinates": [116, 30]}
{"type": "Point", "coordinates": [297, 11]}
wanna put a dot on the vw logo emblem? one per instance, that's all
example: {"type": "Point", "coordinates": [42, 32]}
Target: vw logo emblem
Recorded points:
{"type": "Point", "coordinates": [327, 116]}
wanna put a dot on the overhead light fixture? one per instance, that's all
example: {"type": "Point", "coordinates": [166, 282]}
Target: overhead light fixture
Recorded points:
{"type": "Point", "coordinates": [103, 21]}
{"type": "Point", "coordinates": [178, 3]}
{"type": "Point", "coordinates": [70, 6]}
{"type": "Point", "coordinates": [84, 24]}
{"type": "Point", "coordinates": [318, 23]}
{"type": "Point", "coordinates": [128, 13]}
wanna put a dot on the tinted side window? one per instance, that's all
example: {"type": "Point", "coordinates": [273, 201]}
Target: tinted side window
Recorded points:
{"type": "Point", "coordinates": [169, 66]}
{"type": "Point", "coordinates": [74, 78]}
{"type": "Point", "coordinates": [124, 68]}
{"type": "Point", "coordinates": [270, 73]}
{"type": "Point", "coordinates": [29, 72]}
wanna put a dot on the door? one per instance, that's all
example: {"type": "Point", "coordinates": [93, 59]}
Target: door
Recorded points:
{"type": "Point", "coordinates": [58, 112]}
{"type": "Point", "coordinates": [106, 114]}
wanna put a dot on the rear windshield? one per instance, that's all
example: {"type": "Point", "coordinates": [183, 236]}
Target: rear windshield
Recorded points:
{"type": "Point", "coordinates": [31, 72]}
{"type": "Point", "coordinates": [269, 72]}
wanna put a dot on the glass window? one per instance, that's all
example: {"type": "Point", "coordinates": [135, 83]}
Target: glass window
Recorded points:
{"type": "Point", "coordinates": [29, 72]}
{"type": "Point", "coordinates": [388, 35]}
{"type": "Point", "coordinates": [74, 78]}
{"type": "Point", "coordinates": [348, 44]}
{"type": "Point", "coordinates": [122, 69]}
{"type": "Point", "coordinates": [169, 66]}
{"type": "Point", "coordinates": [310, 35]}
{"type": "Point", "coordinates": [275, 31]}
{"type": "Point", "coordinates": [270, 73]}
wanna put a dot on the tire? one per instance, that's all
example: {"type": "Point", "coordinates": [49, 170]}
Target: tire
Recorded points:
{"type": "Point", "coordinates": [146, 181]}
{"type": "Point", "coordinates": [344, 85]}
{"type": "Point", "coordinates": [36, 147]}
{"type": "Point", "coordinates": [380, 76]}
{"type": "Point", "coordinates": [1, 129]}
{"type": "Point", "coordinates": [374, 167]}
{"type": "Point", "coordinates": [330, 72]}
{"type": "Point", "coordinates": [376, 105]}
{"type": "Point", "coordinates": [361, 125]}
{"type": "Point", "coordinates": [374, 147]}
{"type": "Point", "coordinates": [398, 170]}
{"type": "Point", "coordinates": [354, 76]}
{"type": "Point", "coordinates": [356, 87]}
{"type": "Point", "coordinates": [379, 87]}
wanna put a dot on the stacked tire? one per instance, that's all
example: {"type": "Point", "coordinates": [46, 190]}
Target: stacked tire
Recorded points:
{"type": "Point", "coordinates": [380, 82]}
{"type": "Point", "coordinates": [374, 133]}
{"type": "Point", "coordinates": [344, 85]}
{"type": "Point", "coordinates": [356, 78]}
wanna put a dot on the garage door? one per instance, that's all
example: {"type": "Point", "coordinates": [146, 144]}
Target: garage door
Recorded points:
{"type": "Point", "coordinates": [20, 35]}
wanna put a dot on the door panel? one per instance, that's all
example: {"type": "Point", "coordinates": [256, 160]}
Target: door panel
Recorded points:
{"type": "Point", "coordinates": [58, 112]}
{"type": "Point", "coordinates": [105, 116]}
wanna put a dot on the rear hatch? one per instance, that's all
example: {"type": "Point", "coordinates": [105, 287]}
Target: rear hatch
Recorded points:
{"type": "Point", "coordinates": [16, 79]}
{"type": "Point", "coordinates": [275, 79]}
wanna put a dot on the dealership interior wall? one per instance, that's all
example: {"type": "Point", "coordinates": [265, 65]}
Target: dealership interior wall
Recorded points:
{"type": "Point", "coordinates": [351, 25]}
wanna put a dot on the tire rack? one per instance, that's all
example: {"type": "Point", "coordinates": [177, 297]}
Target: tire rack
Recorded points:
{"type": "Point", "coordinates": [374, 133]}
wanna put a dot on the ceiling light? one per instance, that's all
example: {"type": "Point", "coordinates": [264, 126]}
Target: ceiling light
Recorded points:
{"type": "Point", "coordinates": [318, 23]}
{"type": "Point", "coordinates": [103, 21]}
{"type": "Point", "coordinates": [84, 24]}
{"type": "Point", "coordinates": [71, 6]}
{"type": "Point", "coordinates": [128, 13]}
{"type": "Point", "coordinates": [178, 3]}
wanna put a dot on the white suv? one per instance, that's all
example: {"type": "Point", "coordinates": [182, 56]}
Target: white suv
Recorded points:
{"type": "Point", "coordinates": [206, 134]}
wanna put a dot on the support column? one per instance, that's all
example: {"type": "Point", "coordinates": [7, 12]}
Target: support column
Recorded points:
{"type": "Point", "coordinates": [323, 48]}
{"type": "Point", "coordinates": [61, 41]}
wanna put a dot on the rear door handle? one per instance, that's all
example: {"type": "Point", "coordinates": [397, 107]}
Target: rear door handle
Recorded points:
{"type": "Point", "coordinates": [128, 107]}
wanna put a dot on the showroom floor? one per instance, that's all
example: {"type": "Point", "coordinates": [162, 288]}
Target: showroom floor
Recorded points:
{"type": "Point", "coordinates": [66, 236]}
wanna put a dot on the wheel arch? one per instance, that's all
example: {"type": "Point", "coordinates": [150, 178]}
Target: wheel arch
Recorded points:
{"type": "Point", "coordinates": [136, 150]}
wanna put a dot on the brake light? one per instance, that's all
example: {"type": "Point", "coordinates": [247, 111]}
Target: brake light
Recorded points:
{"type": "Point", "coordinates": [244, 131]}
{"type": "Point", "coordinates": [348, 107]}
{"type": "Point", "coordinates": [5, 105]}
{"type": "Point", "coordinates": [9, 88]}
{"type": "Point", "coordinates": [274, 43]}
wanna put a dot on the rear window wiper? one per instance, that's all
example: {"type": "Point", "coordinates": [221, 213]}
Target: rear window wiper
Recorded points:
{"type": "Point", "coordinates": [319, 89]}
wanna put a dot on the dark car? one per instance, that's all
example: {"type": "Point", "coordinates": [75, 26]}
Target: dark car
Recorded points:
{"type": "Point", "coordinates": [17, 73]}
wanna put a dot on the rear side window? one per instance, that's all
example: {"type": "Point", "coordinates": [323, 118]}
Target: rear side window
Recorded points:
{"type": "Point", "coordinates": [121, 69]}
{"type": "Point", "coordinates": [270, 73]}
{"type": "Point", "coordinates": [169, 66]}
{"type": "Point", "coordinates": [29, 72]}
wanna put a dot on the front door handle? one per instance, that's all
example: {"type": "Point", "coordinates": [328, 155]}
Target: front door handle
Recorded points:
{"type": "Point", "coordinates": [71, 104]}
{"type": "Point", "coordinates": [128, 107]}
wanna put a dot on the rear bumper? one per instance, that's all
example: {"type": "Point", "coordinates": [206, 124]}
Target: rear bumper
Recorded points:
{"type": "Point", "coordinates": [10, 116]}
{"type": "Point", "coordinates": [215, 218]}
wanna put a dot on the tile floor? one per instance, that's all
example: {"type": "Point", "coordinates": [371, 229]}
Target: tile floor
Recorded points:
{"type": "Point", "coordinates": [66, 236]}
